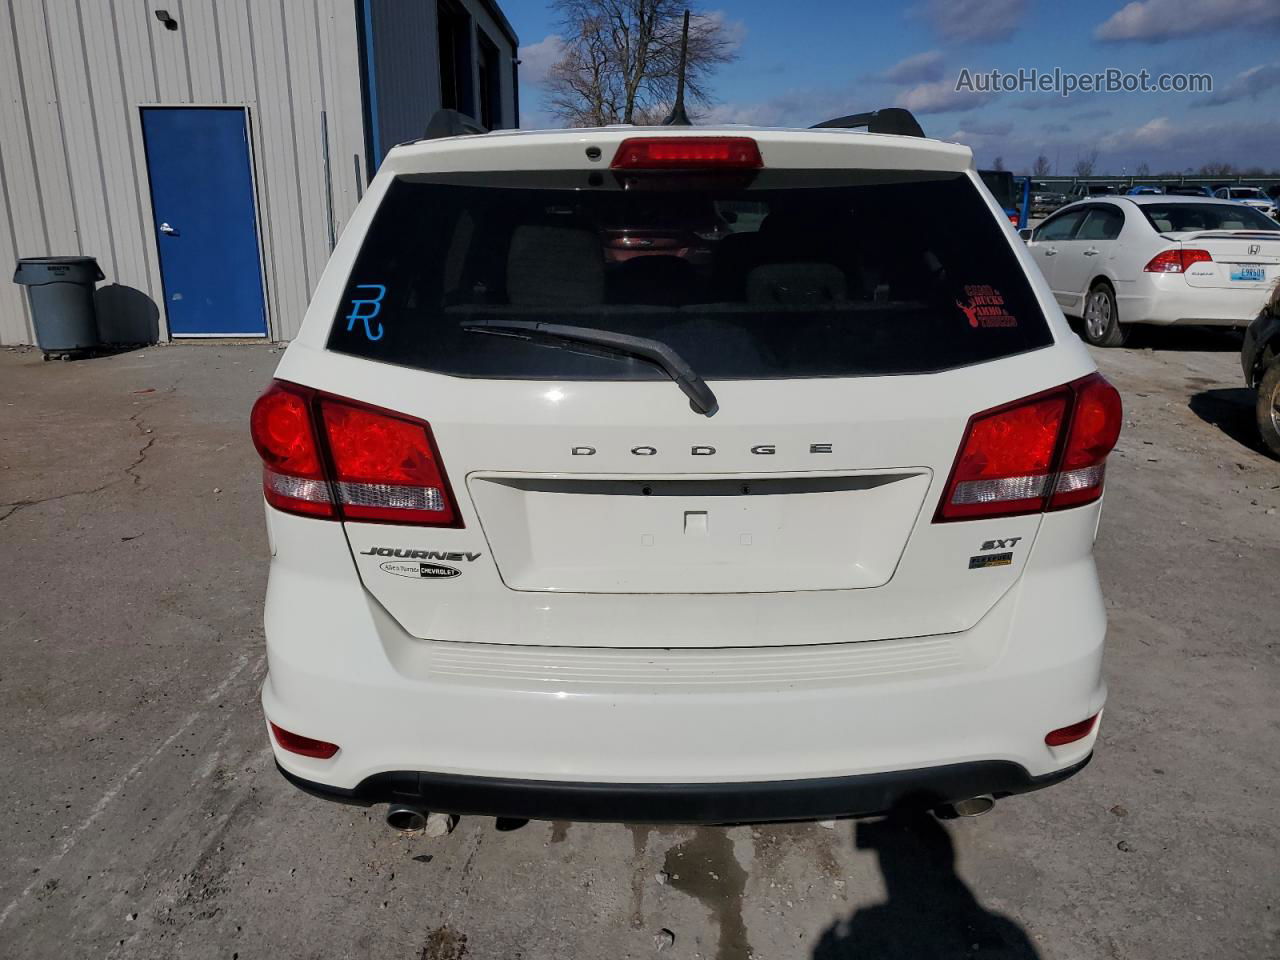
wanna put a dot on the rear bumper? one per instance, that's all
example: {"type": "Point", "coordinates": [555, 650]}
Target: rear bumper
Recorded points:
{"type": "Point", "coordinates": [1168, 299]}
{"type": "Point", "coordinates": [813, 799]}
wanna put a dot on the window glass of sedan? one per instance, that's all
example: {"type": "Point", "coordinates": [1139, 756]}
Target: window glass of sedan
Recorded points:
{"type": "Point", "coordinates": [1060, 227]}
{"type": "Point", "coordinates": [1101, 223]}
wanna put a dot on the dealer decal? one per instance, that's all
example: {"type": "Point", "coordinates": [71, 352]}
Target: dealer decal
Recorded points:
{"type": "Point", "coordinates": [985, 307]}
{"type": "Point", "coordinates": [990, 560]}
{"type": "Point", "coordinates": [421, 571]}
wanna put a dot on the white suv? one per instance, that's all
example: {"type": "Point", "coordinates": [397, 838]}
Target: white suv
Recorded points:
{"type": "Point", "coordinates": [672, 474]}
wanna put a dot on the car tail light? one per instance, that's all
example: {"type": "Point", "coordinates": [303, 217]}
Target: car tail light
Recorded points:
{"type": "Point", "coordinates": [329, 457]}
{"type": "Point", "coordinates": [1070, 734]}
{"type": "Point", "coordinates": [293, 477]}
{"type": "Point", "coordinates": [1094, 430]}
{"type": "Point", "coordinates": [687, 153]}
{"type": "Point", "coordinates": [1176, 261]}
{"type": "Point", "coordinates": [1043, 452]}
{"type": "Point", "coordinates": [1013, 218]}
{"type": "Point", "coordinates": [303, 746]}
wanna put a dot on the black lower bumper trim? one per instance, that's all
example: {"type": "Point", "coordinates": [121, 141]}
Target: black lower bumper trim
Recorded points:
{"type": "Point", "coordinates": [813, 799]}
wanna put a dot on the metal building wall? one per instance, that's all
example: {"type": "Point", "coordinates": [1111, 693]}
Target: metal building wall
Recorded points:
{"type": "Point", "coordinates": [73, 178]}
{"type": "Point", "coordinates": [404, 57]}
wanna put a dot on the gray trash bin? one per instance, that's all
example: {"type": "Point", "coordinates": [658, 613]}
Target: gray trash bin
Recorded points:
{"type": "Point", "coordinates": [60, 290]}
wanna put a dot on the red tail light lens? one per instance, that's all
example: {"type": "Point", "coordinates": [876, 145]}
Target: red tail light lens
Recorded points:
{"type": "Point", "coordinates": [303, 746]}
{"type": "Point", "coordinates": [1176, 261]}
{"type": "Point", "coordinates": [329, 457]}
{"type": "Point", "coordinates": [386, 467]}
{"type": "Point", "coordinates": [687, 153]}
{"type": "Point", "coordinates": [1070, 734]}
{"type": "Point", "coordinates": [1095, 428]}
{"type": "Point", "coordinates": [293, 477]}
{"type": "Point", "coordinates": [1043, 452]}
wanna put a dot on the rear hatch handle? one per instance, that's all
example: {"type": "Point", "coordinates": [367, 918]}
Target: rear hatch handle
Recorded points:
{"type": "Point", "coordinates": [611, 344]}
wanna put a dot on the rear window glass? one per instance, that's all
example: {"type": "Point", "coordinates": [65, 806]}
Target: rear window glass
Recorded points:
{"type": "Point", "coordinates": [1178, 217]}
{"type": "Point", "coordinates": [785, 274]}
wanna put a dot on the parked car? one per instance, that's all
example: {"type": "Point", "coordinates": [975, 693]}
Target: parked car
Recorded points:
{"type": "Point", "coordinates": [1012, 193]}
{"type": "Point", "coordinates": [548, 543]}
{"type": "Point", "coordinates": [1045, 199]}
{"type": "Point", "coordinates": [1260, 358]}
{"type": "Point", "coordinates": [1080, 191]}
{"type": "Point", "coordinates": [1157, 260]}
{"type": "Point", "coordinates": [1250, 196]}
{"type": "Point", "coordinates": [1143, 190]}
{"type": "Point", "coordinates": [1188, 190]}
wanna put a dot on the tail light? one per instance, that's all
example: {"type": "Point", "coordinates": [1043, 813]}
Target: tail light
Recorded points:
{"type": "Point", "coordinates": [325, 456]}
{"type": "Point", "coordinates": [1043, 452]}
{"type": "Point", "coordinates": [1013, 218]}
{"type": "Point", "coordinates": [687, 153]}
{"type": "Point", "coordinates": [303, 746]}
{"type": "Point", "coordinates": [1176, 261]}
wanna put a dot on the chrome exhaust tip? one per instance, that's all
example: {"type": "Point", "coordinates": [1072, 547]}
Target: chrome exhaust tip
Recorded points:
{"type": "Point", "coordinates": [974, 806]}
{"type": "Point", "coordinates": [401, 816]}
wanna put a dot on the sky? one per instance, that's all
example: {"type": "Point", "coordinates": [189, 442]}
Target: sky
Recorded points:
{"type": "Point", "coordinates": [804, 61]}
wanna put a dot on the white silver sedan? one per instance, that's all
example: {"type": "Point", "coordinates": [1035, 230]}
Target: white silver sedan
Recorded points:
{"type": "Point", "coordinates": [1117, 261]}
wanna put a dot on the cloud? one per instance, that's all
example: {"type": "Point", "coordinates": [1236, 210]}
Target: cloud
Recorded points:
{"type": "Point", "coordinates": [970, 21]}
{"type": "Point", "coordinates": [733, 31]}
{"type": "Point", "coordinates": [1248, 84]}
{"type": "Point", "coordinates": [538, 58]}
{"type": "Point", "coordinates": [1155, 133]}
{"type": "Point", "coordinates": [1053, 101]}
{"type": "Point", "coordinates": [1152, 21]}
{"type": "Point", "coordinates": [918, 68]}
{"type": "Point", "coordinates": [795, 108]}
{"type": "Point", "coordinates": [986, 128]}
{"type": "Point", "coordinates": [941, 97]}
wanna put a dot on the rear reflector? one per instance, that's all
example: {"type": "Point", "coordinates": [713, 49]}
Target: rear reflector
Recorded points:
{"type": "Point", "coordinates": [303, 746]}
{"type": "Point", "coordinates": [687, 153]}
{"type": "Point", "coordinates": [1176, 261]}
{"type": "Point", "coordinates": [333, 458]}
{"type": "Point", "coordinates": [1076, 731]}
{"type": "Point", "coordinates": [1043, 452]}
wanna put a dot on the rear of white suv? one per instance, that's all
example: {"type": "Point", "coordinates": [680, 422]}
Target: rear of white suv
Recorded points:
{"type": "Point", "coordinates": [676, 475]}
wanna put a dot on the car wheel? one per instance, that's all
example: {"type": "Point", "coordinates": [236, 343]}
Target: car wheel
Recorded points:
{"type": "Point", "coordinates": [1102, 325]}
{"type": "Point", "coordinates": [1268, 407]}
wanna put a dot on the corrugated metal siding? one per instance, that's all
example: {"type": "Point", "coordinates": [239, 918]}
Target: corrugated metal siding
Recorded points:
{"type": "Point", "coordinates": [407, 68]}
{"type": "Point", "coordinates": [408, 83]}
{"type": "Point", "coordinates": [73, 180]}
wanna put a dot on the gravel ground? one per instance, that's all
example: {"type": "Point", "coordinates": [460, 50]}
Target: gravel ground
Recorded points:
{"type": "Point", "coordinates": [144, 819]}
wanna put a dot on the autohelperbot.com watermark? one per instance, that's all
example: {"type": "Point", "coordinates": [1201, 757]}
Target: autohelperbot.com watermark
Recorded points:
{"type": "Point", "coordinates": [1065, 82]}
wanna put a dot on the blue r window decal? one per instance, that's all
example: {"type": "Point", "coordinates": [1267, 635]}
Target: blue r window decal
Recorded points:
{"type": "Point", "coordinates": [366, 309]}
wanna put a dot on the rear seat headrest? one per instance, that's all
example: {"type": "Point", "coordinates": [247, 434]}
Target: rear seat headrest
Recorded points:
{"type": "Point", "coordinates": [555, 265]}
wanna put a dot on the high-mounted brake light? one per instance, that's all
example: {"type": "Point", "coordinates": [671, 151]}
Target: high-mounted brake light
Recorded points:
{"type": "Point", "coordinates": [687, 153]}
{"type": "Point", "coordinates": [1043, 452]}
{"type": "Point", "coordinates": [326, 456]}
{"type": "Point", "coordinates": [1176, 261]}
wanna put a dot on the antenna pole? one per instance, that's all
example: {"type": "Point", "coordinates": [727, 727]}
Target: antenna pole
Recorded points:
{"type": "Point", "coordinates": [677, 117]}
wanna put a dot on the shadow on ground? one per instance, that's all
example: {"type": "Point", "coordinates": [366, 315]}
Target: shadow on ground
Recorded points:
{"type": "Point", "coordinates": [929, 912]}
{"type": "Point", "coordinates": [1231, 410]}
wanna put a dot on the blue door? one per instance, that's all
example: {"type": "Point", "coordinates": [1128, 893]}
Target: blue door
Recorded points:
{"type": "Point", "coordinates": [206, 226]}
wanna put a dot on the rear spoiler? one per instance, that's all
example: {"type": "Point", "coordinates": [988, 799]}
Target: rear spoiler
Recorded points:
{"type": "Point", "coordinates": [451, 123]}
{"type": "Point", "coordinates": [893, 120]}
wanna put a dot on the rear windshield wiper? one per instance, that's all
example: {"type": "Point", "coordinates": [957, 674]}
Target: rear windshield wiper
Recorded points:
{"type": "Point", "coordinates": [611, 344]}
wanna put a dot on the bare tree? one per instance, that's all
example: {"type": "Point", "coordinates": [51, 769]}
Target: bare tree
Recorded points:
{"type": "Point", "coordinates": [1042, 167]}
{"type": "Point", "coordinates": [1217, 169]}
{"type": "Point", "coordinates": [621, 58]}
{"type": "Point", "coordinates": [1084, 166]}
{"type": "Point", "coordinates": [997, 163]}
{"type": "Point", "coordinates": [1142, 170]}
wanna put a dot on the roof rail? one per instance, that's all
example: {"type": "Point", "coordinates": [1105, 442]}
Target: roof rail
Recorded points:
{"type": "Point", "coordinates": [451, 123]}
{"type": "Point", "coordinates": [894, 120]}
